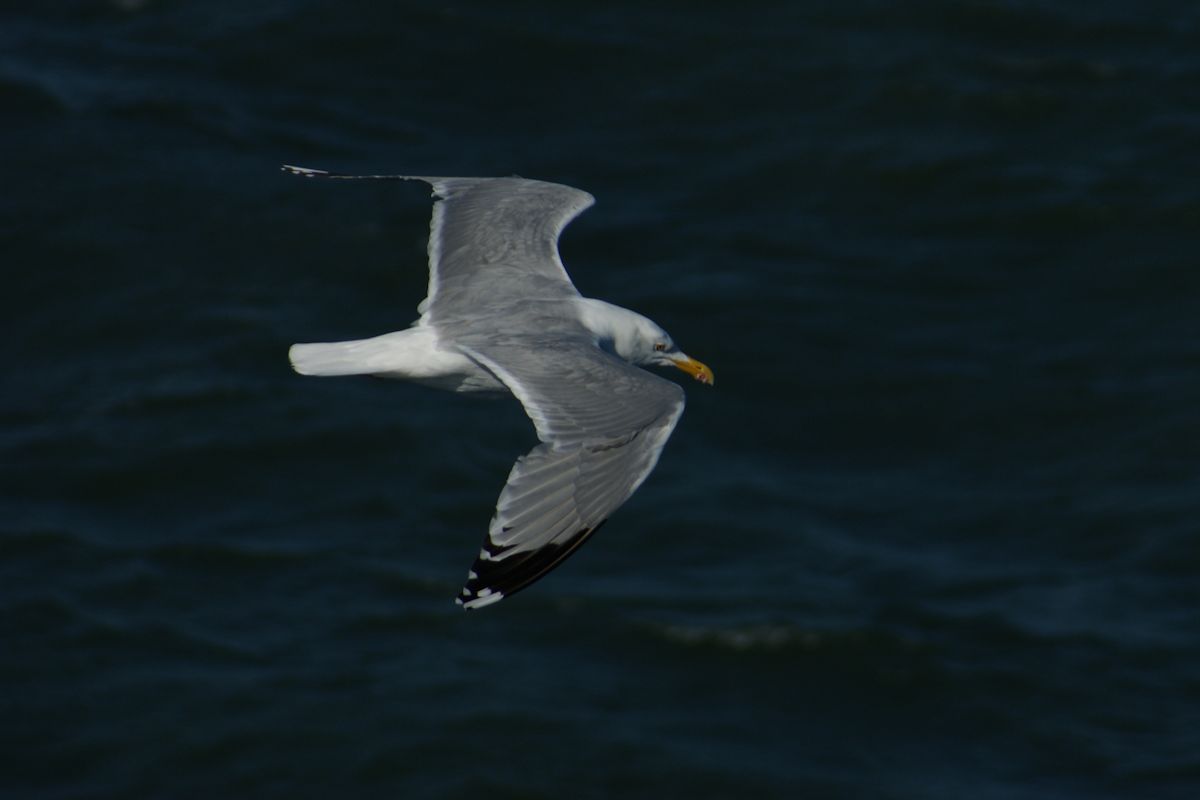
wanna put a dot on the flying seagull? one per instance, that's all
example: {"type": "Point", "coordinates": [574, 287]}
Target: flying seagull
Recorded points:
{"type": "Point", "coordinates": [501, 315]}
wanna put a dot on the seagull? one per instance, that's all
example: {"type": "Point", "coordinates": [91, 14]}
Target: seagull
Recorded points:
{"type": "Point", "coordinates": [501, 315]}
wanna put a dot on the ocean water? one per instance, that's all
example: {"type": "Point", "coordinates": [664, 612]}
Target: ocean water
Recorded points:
{"type": "Point", "coordinates": [933, 534]}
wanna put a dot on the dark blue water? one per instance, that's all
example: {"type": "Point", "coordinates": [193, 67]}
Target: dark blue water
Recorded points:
{"type": "Point", "coordinates": [932, 535]}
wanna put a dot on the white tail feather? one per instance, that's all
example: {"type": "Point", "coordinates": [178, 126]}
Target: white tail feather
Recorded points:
{"type": "Point", "coordinates": [360, 357]}
{"type": "Point", "coordinates": [412, 354]}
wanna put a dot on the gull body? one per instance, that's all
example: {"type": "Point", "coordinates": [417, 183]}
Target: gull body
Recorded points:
{"type": "Point", "coordinates": [501, 315]}
{"type": "Point", "coordinates": [417, 354]}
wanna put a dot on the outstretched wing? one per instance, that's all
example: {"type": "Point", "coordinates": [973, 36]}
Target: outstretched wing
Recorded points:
{"type": "Point", "coordinates": [488, 228]}
{"type": "Point", "coordinates": [602, 423]}
{"type": "Point", "coordinates": [483, 226]}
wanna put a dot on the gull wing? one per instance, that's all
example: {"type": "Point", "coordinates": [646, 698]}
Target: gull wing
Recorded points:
{"type": "Point", "coordinates": [495, 241]}
{"type": "Point", "coordinates": [491, 241]}
{"type": "Point", "coordinates": [602, 424]}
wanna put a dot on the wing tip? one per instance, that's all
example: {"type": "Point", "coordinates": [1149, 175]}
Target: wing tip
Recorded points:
{"type": "Point", "coordinates": [476, 601]}
{"type": "Point", "coordinates": [309, 172]}
{"type": "Point", "coordinates": [304, 172]}
{"type": "Point", "coordinates": [493, 577]}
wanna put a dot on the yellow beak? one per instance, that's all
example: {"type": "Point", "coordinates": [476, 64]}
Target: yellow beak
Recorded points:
{"type": "Point", "coordinates": [692, 367]}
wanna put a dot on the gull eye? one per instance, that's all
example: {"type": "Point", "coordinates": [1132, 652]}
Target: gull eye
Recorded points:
{"type": "Point", "coordinates": [660, 347]}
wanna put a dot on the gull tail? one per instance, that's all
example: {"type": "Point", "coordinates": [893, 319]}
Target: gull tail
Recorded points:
{"type": "Point", "coordinates": [360, 357]}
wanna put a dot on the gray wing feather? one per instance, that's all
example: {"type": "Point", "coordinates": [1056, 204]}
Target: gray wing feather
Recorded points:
{"type": "Point", "coordinates": [602, 423]}
{"type": "Point", "coordinates": [494, 241]}
{"type": "Point", "coordinates": [571, 389]}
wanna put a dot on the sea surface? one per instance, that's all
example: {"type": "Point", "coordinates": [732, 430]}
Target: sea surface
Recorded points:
{"type": "Point", "coordinates": [933, 534]}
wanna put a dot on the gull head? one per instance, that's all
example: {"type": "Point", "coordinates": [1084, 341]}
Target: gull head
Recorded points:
{"type": "Point", "coordinates": [637, 339]}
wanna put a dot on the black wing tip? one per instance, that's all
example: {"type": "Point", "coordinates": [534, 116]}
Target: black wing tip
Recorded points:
{"type": "Point", "coordinates": [491, 579]}
{"type": "Point", "coordinates": [304, 172]}
{"type": "Point", "coordinates": [309, 172]}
